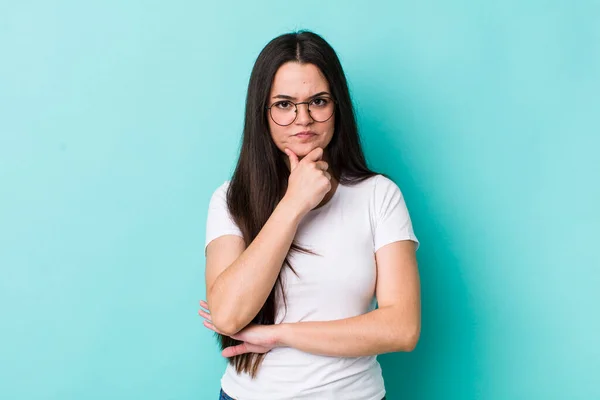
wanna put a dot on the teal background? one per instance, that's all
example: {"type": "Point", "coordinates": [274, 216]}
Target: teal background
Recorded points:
{"type": "Point", "coordinates": [119, 119]}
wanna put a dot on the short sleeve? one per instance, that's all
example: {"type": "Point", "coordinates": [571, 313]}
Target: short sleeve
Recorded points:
{"type": "Point", "coordinates": [392, 221]}
{"type": "Point", "coordinates": [219, 221]}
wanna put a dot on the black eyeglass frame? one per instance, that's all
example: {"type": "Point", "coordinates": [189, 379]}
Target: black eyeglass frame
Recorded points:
{"type": "Point", "coordinates": [307, 106]}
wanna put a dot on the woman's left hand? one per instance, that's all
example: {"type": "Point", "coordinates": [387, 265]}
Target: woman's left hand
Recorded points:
{"type": "Point", "coordinates": [256, 338]}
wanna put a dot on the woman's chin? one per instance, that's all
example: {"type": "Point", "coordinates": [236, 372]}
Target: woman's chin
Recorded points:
{"type": "Point", "coordinates": [302, 150]}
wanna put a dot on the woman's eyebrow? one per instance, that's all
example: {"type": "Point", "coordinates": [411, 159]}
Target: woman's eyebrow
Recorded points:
{"type": "Point", "coordinates": [286, 97]}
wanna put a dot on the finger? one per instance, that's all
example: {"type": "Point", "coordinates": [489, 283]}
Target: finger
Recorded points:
{"type": "Point", "coordinates": [322, 165]}
{"type": "Point", "coordinates": [255, 348]}
{"type": "Point", "coordinates": [210, 326]}
{"type": "Point", "coordinates": [204, 304]}
{"type": "Point", "coordinates": [205, 315]}
{"type": "Point", "coordinates": [293, 158]}
{"type": "Point", "coordinates": [233, 351]}
{"type": "Point", "coordinates": [205, 307]}
{"type": "Point", "coordinates": [327, 175]}
{"type": "Point", "coordinates": [314, 156]}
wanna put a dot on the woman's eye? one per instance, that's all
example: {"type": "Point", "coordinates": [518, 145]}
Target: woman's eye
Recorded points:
{"type": "Point", "coordinates": [320, 102]}
{"type": "Point", "coordinates": [283, 105]}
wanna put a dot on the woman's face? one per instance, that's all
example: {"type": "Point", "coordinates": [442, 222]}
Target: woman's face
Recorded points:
{"type": "Point", "coordinates": [295, 82]}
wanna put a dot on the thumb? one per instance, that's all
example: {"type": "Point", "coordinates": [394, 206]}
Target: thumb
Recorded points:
{"type": "Point", "coordinates": [293, 158]}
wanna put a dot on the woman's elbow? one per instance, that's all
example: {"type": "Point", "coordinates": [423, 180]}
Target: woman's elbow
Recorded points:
{"type": "Point", "coordinates": [226, 325]}
{"type": "Point", "coordinates": [411, 343]}
{"type": "Point", "coordinates": [223, 316]}
{"type": "Point", "coordinates": [228, 320]}
{"type": "Point", "coordinates": [408, 342]}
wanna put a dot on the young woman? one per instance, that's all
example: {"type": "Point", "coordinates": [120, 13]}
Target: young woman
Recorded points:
{"type": "Point", "coordinates": [304, 238]}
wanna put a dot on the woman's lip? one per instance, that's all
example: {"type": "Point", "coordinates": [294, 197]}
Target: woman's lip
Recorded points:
{"type": "Point", "coordinates": [305, 134]}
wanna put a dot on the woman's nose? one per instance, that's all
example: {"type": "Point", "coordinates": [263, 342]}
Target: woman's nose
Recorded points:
{"type": "Point", "coordinates": [303, 114]}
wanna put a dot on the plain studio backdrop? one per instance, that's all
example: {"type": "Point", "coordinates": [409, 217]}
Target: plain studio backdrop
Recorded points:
{"type": "Point", "coordinates": [119, 119]}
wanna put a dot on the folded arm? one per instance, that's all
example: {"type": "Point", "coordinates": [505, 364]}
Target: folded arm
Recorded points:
{"type": "Point", "coordinates": [394, 326]}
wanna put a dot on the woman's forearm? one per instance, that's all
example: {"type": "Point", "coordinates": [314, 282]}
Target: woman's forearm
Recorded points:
{"type": "Point", "coordinates": [241, 290]}
{"type": "Point", "coordinates": [380, 331]}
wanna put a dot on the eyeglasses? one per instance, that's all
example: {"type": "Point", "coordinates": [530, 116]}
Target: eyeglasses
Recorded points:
{"type": "Point", "coordinates": [285, 112]}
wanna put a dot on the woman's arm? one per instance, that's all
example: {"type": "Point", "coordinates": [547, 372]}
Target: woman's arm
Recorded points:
{"type": "Point", "coordinates": [376, 332]}
{"type": "Point", "coordinates": [238, 280]}
{"type": "Point", "coordinates": [394, 326]}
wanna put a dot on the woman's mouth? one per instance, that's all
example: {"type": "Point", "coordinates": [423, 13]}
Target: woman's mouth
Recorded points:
{"type": "Point", "coordinates": [305, 134]}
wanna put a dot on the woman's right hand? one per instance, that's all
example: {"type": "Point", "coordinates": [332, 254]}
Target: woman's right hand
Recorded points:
{"type": "Point", "coordinates": [309, 180]}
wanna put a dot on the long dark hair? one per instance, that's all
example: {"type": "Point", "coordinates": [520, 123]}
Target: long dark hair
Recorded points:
{"type": "Point", "coordinates": [261, 175]}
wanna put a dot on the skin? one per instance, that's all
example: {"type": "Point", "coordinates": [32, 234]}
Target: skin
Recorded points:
{"type": "Point", "coordinates": [396, 324]}
{"type": "Point", "coordinates": [299, 82]}
{"type": "Point", "coordinates": [239, 278]}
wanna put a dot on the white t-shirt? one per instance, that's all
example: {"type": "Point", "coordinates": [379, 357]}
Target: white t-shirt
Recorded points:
{"type": "Point", "coordinates": [337, 283]}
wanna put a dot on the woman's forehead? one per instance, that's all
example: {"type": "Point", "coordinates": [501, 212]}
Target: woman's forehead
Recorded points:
{"type": "Point", "coordinates": [298, 80]}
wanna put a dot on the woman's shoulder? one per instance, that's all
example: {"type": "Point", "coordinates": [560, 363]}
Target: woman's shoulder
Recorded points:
{"type": "Point", "coordinates": [219, 193]}
{"type": "Point", "coordinates": [372, 182]}
{"type": "Point", "coordinates": [384, 182]}
{"type": "Point", "coordinates": [378, 188]}
{"type": "Point", "coordinates": [222, 187]}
